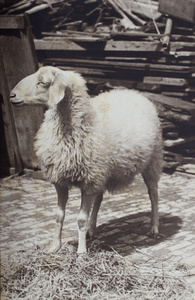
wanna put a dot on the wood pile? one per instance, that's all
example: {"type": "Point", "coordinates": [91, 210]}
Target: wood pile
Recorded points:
{"type": "Point", "coordinates": [121, 44]}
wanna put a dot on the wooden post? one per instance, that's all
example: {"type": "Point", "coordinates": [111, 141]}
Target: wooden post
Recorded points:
{"type": "Point", "coordinates": [9, 124]}
{"type": "Point", "coordinates": [18, 59]}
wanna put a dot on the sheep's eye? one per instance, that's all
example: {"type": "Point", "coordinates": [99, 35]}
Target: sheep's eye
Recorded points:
{"type": "Point", "coordinates": [42, 84]}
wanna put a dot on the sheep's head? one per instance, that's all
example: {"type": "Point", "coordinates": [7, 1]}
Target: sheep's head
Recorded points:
{"type": "Point", "coordinates": [47, 86]}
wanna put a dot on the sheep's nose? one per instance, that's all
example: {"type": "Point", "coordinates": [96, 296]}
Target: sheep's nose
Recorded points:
{"type": "Point", "coordinates": [14, 100]}
{"type": "Point", "coordinates": [12, 95]}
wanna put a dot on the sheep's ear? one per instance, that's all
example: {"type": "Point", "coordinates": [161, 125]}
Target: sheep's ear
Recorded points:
{"type": "Point", "coordinates": [67, 94]}
{"type": "Point", "coordinates": [64, 105]}
{"type": "Point", "coordinates": [56, 89]}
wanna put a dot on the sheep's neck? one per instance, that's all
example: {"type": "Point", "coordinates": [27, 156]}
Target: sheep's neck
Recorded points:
{"type": "Point", "coordinates": [75, 115]}
{"type": "Point", "coordinates": [63, 111]}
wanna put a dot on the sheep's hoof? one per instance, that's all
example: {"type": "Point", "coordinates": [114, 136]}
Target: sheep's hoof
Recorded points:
{"type": "Point", "coordinates": [154, 233]}
{"type": "Point", "coordinates": [81, 251]}
{"type": "Point", "coordinates": [90, 233]}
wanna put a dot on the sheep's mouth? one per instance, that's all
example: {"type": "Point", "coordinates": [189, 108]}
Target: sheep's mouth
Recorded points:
{"type": "Point", "coordinates": [17, 102]}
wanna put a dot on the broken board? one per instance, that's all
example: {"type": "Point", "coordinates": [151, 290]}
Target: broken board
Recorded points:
{"type": "Point", "coordinates": [184, 10]}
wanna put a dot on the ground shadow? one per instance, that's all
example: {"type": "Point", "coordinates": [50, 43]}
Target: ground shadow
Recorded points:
{"type": "Point", "coordinates": [130, 232]}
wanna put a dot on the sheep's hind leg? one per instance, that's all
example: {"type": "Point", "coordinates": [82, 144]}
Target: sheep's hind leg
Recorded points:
{"type": "Point", "coordinates": [152, 185]}
{"type": "Point", "coordinates": [93, 218]}
{"type": "Point", "coordinates": [82, 221]}
{"type": "Point", "coordinates": [62, 192]}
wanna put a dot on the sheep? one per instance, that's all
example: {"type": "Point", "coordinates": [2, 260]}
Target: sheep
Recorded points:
{"type": "Point", "coordinates": [96, 144]}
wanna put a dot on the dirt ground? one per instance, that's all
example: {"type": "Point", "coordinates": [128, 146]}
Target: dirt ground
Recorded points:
{"type": "Point", "coordinates": [28, 217]}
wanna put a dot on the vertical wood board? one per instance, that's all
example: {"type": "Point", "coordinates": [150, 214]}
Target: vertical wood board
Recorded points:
{"type": "Point", "coordinates": [18, 59]}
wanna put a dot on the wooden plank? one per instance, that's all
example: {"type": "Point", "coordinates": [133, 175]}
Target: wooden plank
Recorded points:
{"type": "Point", "coordinates": [153, 46]}
{"type": "Point", "coordinates": [20, 8]}
{"type": "Point", "coordinates": [18, 54]}
{"type": "Point", "coordinates": [145, 10]}
{"type": "Point", "coordinates": [173, 109]}
{"type": "Point", "coordinates": [168, 126]}
{"type": "Point", "coordinates": [9, 124]}
{"type": "Point", "coordinates": [99, 79]}
{"type": "Point", "coordinates": [185, 61]}
{"type": "Point", "coordinates": [83, 71]}
{"type": "Point", "coordinates": [190, 160]}
{"type": "Point", "coordinates": [166, 80]}
{"type": "Point", "coordinates": [185, 10]}
{"type": "Point", "coordinates": [153, 3]}
{"type": "Point", "coordinates": [179, 46]}
{"type": "Point", "coordinates": [178, 53]}
{"type": "Point", "coordinates": [171, 156]}
{"type": "Point", "coordinates": [190, 89]}
{"type": "Point", "coordinates": [29, 48]}
{"type": "Point", "coordinates": [11, 22]}
{"type": "Point", "coordinates": [70, 33]}
{"type": "Point", "coordinates": [133, 46]}
{"type": "Point", "coordinates": [18, 61]}
{"type": "Point", "coordinates": [171, 135]}
{"type": "Point", "coordinates": [56, 45]}
{"type": "Point", "coordinates": [38, 8]}
{"type": "Point", "coordinates": [116, 66]}
{"type": "Point", "coordinates": [179, 141]}
{"type": "Point", "coordinates": [175, 94]}
{"type": "Point", "coordinates": [114, 83]}
{"type": "Point", "coordinates": [90, 38]}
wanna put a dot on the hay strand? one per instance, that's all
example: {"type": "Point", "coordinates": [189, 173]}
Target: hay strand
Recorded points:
{"type": "Point", "coordinates": [33, 274]}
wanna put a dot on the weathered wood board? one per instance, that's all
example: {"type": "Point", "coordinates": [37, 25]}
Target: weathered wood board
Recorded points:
{"type": "Point", "coordinates": [18, 59]}
{"type": "Point", "coordinates": [183, 9]}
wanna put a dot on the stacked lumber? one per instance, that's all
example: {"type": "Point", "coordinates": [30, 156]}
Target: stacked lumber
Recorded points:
{"type": "Point", "coordinates": [124, 44]}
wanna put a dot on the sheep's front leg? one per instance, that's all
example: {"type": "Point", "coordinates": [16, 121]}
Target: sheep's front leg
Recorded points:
{"type": "Point", "coordinates": [93, 218]}
{"type": "Point", "coordinates": [82, 220]}
{"type": "Point", "coordinates": [62, 192]}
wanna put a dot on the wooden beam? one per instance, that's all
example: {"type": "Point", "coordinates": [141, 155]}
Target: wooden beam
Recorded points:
{"type": "Point", "coordinates": [173, 109]}
{"type": "Point", "coordinates": [56, 45]}
{"type": "Point", "coordinates": [22, 7]}
{"type": "Point", "coordinates": [166, 80]}
{"type": "Point", "coordinates": [137, 66]}
{"type": "Point", "coordinates": [133, 46]}
{"type": "Point", "coordinates": [12, 22]}
{"type": "Point", "coordinates": [38, 8]}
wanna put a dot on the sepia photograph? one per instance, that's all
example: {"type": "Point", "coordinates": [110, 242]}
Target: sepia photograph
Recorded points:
{"type": "Point", "coordinates": [97, 143]}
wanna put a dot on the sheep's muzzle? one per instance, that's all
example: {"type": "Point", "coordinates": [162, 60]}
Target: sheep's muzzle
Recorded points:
{"type": "Point", "coordinates": [14, 100]}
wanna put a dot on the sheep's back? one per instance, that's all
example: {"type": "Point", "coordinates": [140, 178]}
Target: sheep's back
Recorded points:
{"type": "Point", "coordinates": [126, 116]}
{"type": "Point", "coordinates": [130, 132]}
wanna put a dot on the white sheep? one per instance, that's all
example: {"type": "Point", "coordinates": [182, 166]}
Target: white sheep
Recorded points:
{"type": "Point", "coordinates": [97, 144]}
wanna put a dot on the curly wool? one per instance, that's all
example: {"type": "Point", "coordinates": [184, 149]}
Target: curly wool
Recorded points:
{"type": "Point", "coordinates": [100, 143]}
